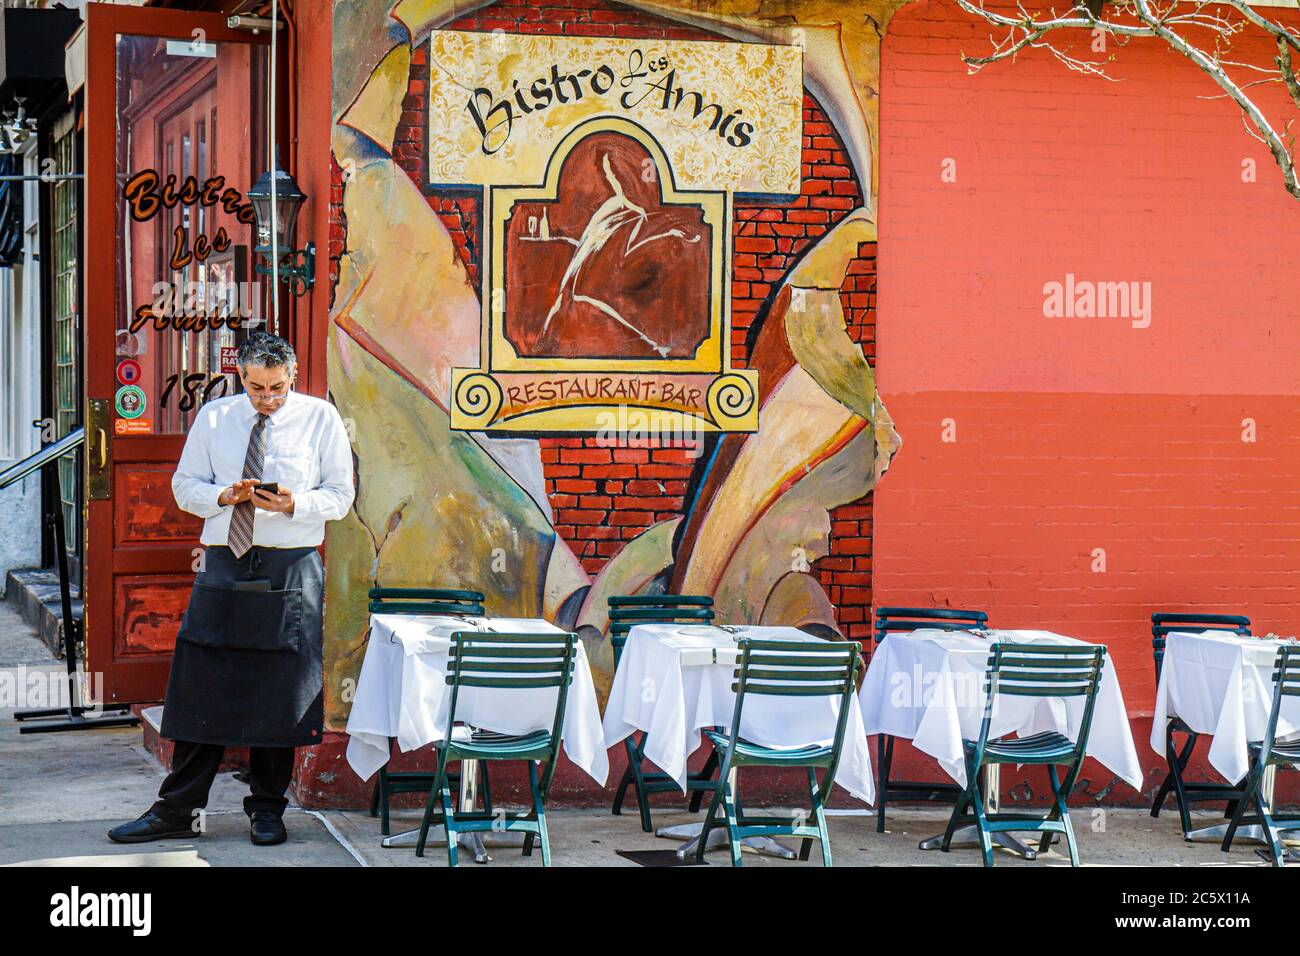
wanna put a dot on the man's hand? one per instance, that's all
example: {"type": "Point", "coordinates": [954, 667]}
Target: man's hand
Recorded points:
{"type": "Point", "coordinates": [239, 491]}
{"type": "Point", "coordinates": [274, 502]}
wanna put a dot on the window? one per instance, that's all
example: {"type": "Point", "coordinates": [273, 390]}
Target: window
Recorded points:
{"type": "Point", "coordinates": [19, 321]}
{"type": "Point", "coordinates": [67, 322]}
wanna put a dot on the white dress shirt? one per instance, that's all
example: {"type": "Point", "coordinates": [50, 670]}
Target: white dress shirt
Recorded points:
{"type": "Point", "coordinates": [307, 451]}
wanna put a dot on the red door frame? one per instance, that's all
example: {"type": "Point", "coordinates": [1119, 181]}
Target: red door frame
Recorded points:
{"type": "Point", "coordinates": [145, 677]}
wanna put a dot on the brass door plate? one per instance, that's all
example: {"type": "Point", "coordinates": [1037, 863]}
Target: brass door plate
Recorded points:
{"type": "Point", "coordinates": [99, 449]}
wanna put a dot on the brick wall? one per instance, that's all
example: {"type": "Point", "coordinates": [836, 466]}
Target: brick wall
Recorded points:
{"type": "Point", "coordinates": [1080, 441]}
{"type": "Point", "coordinates": [845, 572]}
{"type": "Point", "coordinates": [338, 225]}
{"type": "Point", "coordinates": [768, 238]}
{"type": "Point", "coordinates": [604, 496]}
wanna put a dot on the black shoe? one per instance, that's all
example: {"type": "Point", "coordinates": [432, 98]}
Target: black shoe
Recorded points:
{"type": "Point", "coordinates": [267, 829]}
{"type": "Point", "coordinates": [148, 827]}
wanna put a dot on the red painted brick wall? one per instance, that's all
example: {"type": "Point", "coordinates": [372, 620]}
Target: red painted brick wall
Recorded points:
{"type": "Point", "coordinates": [1076, 434]}
{"type": "Point", "coordinates": [604, 496]}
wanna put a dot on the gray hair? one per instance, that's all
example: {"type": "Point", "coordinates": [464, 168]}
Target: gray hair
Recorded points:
{"type": "Point", "coordinates": [266, 350]}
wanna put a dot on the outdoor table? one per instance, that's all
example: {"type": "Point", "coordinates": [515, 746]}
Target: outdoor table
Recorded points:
{"type": "Point", "coordinates": [927, 686]}
{"type": "Point", "coordinates": [402, 693]}
{"type": "Point", "coordinates": [674, 680]}
{"type": "Point", "coordinates": [1221, 685]}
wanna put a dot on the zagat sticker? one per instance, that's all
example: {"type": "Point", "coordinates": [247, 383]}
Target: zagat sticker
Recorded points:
{"type": "Point", "coordinates": [130, 401]}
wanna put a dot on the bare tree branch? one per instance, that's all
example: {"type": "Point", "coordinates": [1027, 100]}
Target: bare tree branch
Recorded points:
{"type": "Point", "coordinates": [1172, 23]}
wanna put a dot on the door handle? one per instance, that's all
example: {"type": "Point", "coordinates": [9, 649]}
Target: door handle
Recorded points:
{"type": "Point", "coordinates": [99, 485]}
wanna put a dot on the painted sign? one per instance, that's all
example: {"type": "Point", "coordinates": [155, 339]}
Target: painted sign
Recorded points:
{"type": "Point", "coordinates": [609, 169]}
{"type": "Point", "coordinates": [196, 306]}
{"type": "Point", "coordinates": [728, 116]}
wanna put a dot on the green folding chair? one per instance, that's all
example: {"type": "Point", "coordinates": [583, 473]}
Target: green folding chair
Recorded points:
{"type": "Point", "coordinates": [508, 661]}
{"type": "Point", "coordinates": [1030, 670]}
{"type": "Point", "coordinates": [1266, 753]}
{"type": "Point", "coordinates": [625, 612]}
{"type": "Point", "coordinates": [782, 669]}
{"type": "Point", "coordinates": [1188, 792]}
{"type": "Point", "coordinates": [451, 601]}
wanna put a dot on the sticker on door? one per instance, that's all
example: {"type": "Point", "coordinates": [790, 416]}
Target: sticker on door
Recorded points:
{"type": "Point", "coordinates": [130, 401]}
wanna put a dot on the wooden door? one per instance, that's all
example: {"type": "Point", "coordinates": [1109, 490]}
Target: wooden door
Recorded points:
{"type": "Point", "coordinates": [174, 138]}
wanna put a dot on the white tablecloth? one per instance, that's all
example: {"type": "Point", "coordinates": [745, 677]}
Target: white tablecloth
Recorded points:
{"type": "Point", "coordinates": [927, 685]}
{"type": "Point", "coordinates": [1221, 684]}
{"type": "Point", "coordinates": [673, 680]}
{"type": "Point", "coordinates": [402, 693]}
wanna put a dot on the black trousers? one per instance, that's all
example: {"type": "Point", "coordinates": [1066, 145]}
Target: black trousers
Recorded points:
{"type": "Point", "coordinates": [194, 767]}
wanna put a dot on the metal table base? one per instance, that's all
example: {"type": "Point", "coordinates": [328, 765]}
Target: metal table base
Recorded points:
{"type": "Point", "coordinates": [1247, 833]}
{"type": "Point", "coordinates": [718, 836]}
{"type": "Point", "coordinates": [473, 842]}
{"type": "Point", "coordinates": [1253, 832]}
{"type": "Point", "coordinates": [968, 836]}
{"type": "Point", "coordinates": [690, 832]}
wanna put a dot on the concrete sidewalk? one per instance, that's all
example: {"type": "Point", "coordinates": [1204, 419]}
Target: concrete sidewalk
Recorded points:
{"type": "Point", "coordinates": [60, 793]}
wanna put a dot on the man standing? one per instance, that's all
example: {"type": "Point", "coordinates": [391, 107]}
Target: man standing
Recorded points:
{"type": "Point", "coordinates": [265, 470]}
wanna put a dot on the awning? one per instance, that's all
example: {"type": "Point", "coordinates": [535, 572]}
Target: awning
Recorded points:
{"type": "Point", "coordinates": [31, 49]}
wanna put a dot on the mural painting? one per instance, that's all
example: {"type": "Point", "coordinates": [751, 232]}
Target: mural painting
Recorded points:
{"type": "Point", "coordinates": [555, 238]}
{"type": "Point", "coordinates": [607, 222]}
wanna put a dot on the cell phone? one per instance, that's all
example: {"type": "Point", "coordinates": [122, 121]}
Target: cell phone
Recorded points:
{"type": "Point", "coordinates": [273, 487]}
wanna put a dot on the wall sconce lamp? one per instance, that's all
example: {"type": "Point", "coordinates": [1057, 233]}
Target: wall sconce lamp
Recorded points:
{"type": "Point", "coordinates": [296, 267]}
{"type": "Point", "coordinates": [16, 127]}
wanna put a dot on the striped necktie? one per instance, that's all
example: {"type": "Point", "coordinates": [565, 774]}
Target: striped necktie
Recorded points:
{"type": "Point", "coordinates": [240, 536]}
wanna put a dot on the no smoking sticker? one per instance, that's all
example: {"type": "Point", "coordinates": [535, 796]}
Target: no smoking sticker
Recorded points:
{"type": "Point", "coordinates": [136, 426]}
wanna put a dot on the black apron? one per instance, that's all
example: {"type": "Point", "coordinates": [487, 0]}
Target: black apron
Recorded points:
{"type": "Point", "coordinates": [247, 669]}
